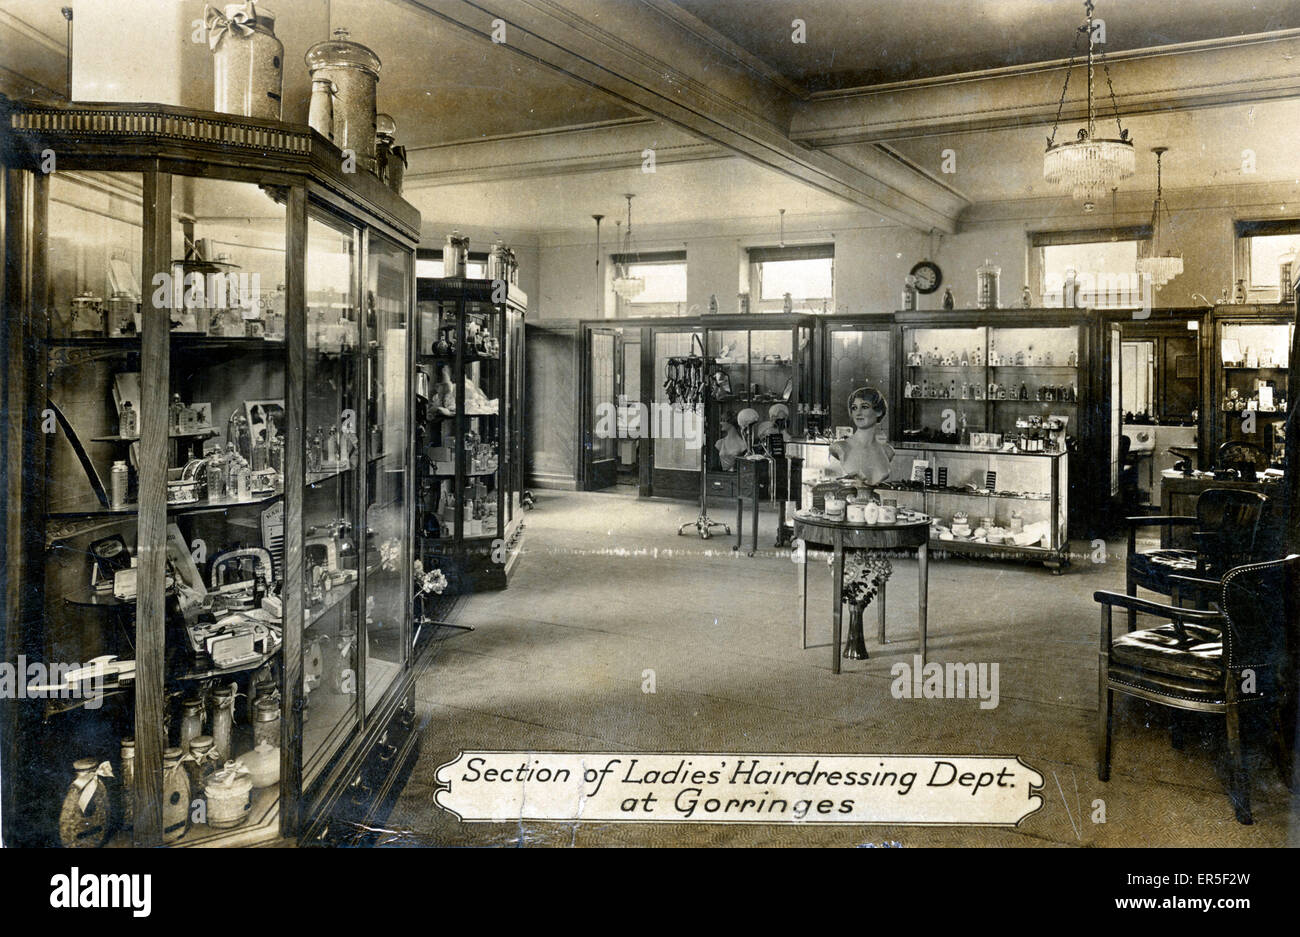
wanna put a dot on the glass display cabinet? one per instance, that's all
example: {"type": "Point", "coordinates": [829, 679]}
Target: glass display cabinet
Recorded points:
{"type": "Point", "coordinates": [469, 514]}
{"type": "Point", "coordinates": [208, 371]}
{"type": "Point", "coordinates": [759, 379]}
{"type": "Point", "coordinates": [1023, 381]}
{"type": "Point", "coordinates": [1011, 505]}
{"type": "Point", "coordinates": [1249, 393]}
{"type": "Point", "coordinates": [856, 354]}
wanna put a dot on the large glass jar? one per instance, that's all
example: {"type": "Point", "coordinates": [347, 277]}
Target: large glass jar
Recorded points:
{"type": "Point", "coordinates": [176, 796]}
{"type": "Point", "coordinates": [247, 61]}
{"type": "Point", "coordinates": [354, 70]}
{"type": "Point", "coordinates": [84, 819]}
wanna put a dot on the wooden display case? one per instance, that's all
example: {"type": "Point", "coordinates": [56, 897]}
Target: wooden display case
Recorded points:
{"type": "Point", "coordinates": [226, 277]}
{"type": "Point", "coordinates": [470, 360]}
{"type": "Point", "coordinates": [1009, 373]}
{"type": "Point", "coordinates": [762, 359]}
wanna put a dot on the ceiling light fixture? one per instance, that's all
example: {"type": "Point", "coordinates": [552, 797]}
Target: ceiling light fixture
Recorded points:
{"type": "Point", "coordinates": [1160, 266]}
{"type": "Point", "coordinates": [626, 285]}
{"type": "Point", "coordinates": [1088, 165]}
{"type": "Point", "coordinates": [780, 241]}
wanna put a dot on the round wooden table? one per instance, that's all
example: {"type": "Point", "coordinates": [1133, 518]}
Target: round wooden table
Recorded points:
{"type": "Point", "coordinates": [819, 530]}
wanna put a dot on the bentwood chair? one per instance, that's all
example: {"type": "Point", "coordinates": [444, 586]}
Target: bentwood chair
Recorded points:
{"type": "Point", "coordinates": [1244, 653]}
{"type": "Point", "coordinates": [1226, 533]}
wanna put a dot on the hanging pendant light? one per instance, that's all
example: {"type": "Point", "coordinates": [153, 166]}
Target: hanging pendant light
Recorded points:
{"type": "Point", "coordinates": [626, 285]}
{"type": "Point", "coordinates": [1088, 164]}
{"type": "Point", "coordinates": [1160, 266]}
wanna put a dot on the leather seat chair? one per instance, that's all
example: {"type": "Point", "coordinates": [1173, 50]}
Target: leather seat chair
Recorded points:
{"type": "Point", "coordinates": [1219, 661]}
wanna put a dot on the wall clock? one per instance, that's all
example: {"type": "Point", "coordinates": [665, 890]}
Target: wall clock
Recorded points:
{"type": "Point", "coordinates": [928, 276]}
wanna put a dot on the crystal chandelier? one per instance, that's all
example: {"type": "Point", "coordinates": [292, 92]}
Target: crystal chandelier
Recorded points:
{"type": "Point", "coordinates": [1160, 266]}
{"type": "Point", "coordinates": [626, 285]}
{"type": "Point", "coordinates": [1088, 165]}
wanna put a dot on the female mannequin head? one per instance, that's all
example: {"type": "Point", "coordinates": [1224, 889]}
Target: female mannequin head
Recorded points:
{"type": "Point", "coordinates": [867, 408]}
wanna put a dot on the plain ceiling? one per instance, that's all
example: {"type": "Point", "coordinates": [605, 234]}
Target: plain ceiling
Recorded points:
{"type": "Point", "coordinates": [852, 43]}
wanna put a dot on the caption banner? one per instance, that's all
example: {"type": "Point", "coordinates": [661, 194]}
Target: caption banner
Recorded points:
{"type": "Point", "coordinates": [730, 787]}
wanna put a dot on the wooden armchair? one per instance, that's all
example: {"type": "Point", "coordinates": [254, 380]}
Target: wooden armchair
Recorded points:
{"type": "Point", "coordinates": [1226, 532]}
{"type": "Point", "coordinates": [1211, 661]}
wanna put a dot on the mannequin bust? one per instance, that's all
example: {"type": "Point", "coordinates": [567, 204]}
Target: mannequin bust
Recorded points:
{"type": "Point", "coordinates": [731, 446]}
{"type": "Point", "coordinates": [861, 455]}
{"type": "Point", "coordinates": [778, 416]}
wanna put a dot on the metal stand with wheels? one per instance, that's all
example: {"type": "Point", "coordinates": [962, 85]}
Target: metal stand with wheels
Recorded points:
{"type": "Point", "coordinates": [703, 524]}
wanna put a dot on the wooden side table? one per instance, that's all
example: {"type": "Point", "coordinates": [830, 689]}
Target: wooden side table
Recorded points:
{"type": "Point", "coordinates": [818, 530]}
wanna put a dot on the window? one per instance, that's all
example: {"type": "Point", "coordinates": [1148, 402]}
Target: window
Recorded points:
{"type": "Point", "coordinates": [1103, 261]}
{"type": "Point", "coordinates": [664, 283]}
{"type": "Point", "coordinates": [428, 265]}
{"type": "Point", "coordinates": [806, 272]}
{"type": "Point", "coordinates": [1261, 245]}
{"type": "Point", "coordinates": [664, 273]}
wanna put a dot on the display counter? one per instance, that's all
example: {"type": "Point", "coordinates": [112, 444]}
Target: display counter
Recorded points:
{"type": "Point", "coordinates": [1015, 504]}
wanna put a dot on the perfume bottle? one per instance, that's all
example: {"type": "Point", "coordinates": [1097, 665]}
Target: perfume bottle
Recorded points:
{"type": "Point", "coordinates": [315, 443]}
{"type": "Point", "coordinates": [128, 421]}
{"type": "Point", "coordinates": [216, 474]}
{"type": "Point", "coordinates": [174, 414]}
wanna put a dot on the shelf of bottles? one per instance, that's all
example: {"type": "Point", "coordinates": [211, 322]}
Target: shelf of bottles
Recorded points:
{"type": "Point", "coordinates": [1252, 385]}
{"type": "Point", "coordinates": [991, 386]}
{"type": "Point", "coordinates": [461, 430]}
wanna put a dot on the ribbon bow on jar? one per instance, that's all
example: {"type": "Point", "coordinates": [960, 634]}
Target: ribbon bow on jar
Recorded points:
{"type": "Point", "coordinates": [90, 784]}
{"type": "Point", "coordinates": [228, 775]}
{"type": "Point", "coordinates": [240, 23]}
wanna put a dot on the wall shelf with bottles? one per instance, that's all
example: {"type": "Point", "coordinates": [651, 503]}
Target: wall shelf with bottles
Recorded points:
{"type": "Point", "coordinates": [1025, 379]}
{"type": "Point", "coordinates": [220, 502]}
{"type": "Point", "coordinates": [1249, 390]}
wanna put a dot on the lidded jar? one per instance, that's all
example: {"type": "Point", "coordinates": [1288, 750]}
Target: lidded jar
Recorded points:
{"type": "Point", "coordinates": [247, 61]}
{"type": "Point", "coordinates": [266, 720]}
{"type": "Point", "coordinates": [987, 278]}
{"type": "Point", "coordinates": [176, 796]}
{"type": "Point", "coordinates": [84, 819]}
{"type": "Point", "coordinates": [354, 70]}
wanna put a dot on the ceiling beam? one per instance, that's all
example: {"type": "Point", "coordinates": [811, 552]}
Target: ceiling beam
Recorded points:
{"type": "Point", "coordinates": [614, 144]}
{"type": "Point", "coordinates": [1181, 77]}
{"type": "Point", "coordinates": [669, 68]}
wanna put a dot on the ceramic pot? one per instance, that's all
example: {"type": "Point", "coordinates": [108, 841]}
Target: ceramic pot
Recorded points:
{"type": "Point", "coordinates": [263, 764]}
{"type": "Point", "coordinates": [227, 793]}
{"type": "Point", "coordinates": [247, 61]}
